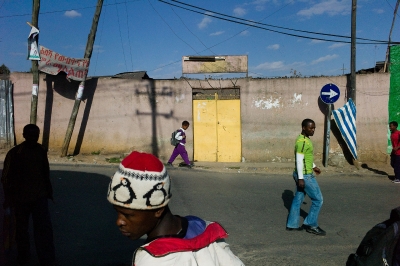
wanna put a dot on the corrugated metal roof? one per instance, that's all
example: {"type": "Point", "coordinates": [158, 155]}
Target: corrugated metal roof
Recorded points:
{"type": "Point", "coordinates": [132, 75]}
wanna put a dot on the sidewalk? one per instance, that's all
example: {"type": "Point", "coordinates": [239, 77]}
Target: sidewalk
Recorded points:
{"type": "Point", "coordinates": [112, 160]}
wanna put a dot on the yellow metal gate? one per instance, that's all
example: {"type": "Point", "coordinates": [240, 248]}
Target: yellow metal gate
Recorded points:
{"type": "Point", "coordinates": [217, 130]}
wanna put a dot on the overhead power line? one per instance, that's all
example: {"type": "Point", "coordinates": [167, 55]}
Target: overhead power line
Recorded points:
{"type": "Point", "coordinates": [269, 25]}
{"type": "Point", "coordinates": [191, 31]}
{"type": "Point", "coordinates": [64, 10]}
{"type": "Point", "coordinates": [259, 25]}
{"type": "Point", "coordinates": [120, 35]}
{"type": "Point", "coordinates": [166, 23]}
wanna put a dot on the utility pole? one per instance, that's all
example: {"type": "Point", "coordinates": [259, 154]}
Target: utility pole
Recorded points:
{"type": "Point", "coordinates": [390, 36]}
{"type": "Point", "coordinates": [35, 70]}
{"type": "Point", "coordinates": [88, 54]}
{"type": "Point", "coordinates": [352, 92]}
{"type": "Point", "coordinates": [343, 69]}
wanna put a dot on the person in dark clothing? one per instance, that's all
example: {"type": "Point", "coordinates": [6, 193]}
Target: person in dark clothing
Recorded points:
{"type": "Point", "coordinates": [395, 155]}
{"type": "Point", "coordinates": [27, 188]}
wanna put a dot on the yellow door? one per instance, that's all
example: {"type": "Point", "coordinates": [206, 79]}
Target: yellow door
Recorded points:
{"type": "Point", "coordinates": [217, 130]}
{"type": "Point", "coordinates": [229, 131]}
{"type": "Point", "coordinates": [204, 130]}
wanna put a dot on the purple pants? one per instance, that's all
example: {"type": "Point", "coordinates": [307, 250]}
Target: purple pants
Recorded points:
{"type": "Point", "coordinates": [179, 150]}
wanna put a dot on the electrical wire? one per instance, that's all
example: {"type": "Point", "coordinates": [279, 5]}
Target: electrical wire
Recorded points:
{"type": "Point", "coordinates": [176, 36]}
{"type": "Point", "coordinates": [171, 28]}
{"type": "Point", "coordinates": [64, 10]}
{"type": "Point", "coordinates": [120, 35]}
{"type": "Point", "coordinates": [101, 34]}
{"type": "Point", "coordinates": [129, 38]}
{"type": "Point", "coordinates": [391, 6]}
{"type": "Point", "coordinates": [191, 31]}
{"type": "Point", "coordinates": [269, 25]}
{"type": "Point", "coordinates": [252, 24]}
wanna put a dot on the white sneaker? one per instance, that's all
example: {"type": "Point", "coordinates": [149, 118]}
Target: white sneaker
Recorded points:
{"type": "Point", "coordinates": [396, 181]}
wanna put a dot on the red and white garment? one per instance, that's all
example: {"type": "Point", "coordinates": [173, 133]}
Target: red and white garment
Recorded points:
{"type": "Point", "coordinates": [206, 249]}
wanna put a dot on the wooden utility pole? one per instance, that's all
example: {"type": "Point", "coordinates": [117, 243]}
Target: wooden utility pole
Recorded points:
{"type": "Point", "coordinates": [88, 54]}
{"type": "Point", "coordinates": [352, 92]}
{"type": "Point", "coordinates": [390, 37]}
{"type": "Point", "coordinates": [35, 70]}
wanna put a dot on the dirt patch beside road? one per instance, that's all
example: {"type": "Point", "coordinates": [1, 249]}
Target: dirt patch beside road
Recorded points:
{"type": "Point", "coordinates": [366, 168]}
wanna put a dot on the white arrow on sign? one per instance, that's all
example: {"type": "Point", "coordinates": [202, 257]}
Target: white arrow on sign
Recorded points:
{"type": "Point", "coordinates": [331, 93]}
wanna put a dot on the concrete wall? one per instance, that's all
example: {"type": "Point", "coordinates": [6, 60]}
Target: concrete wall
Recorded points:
{"type": "Point", "coordinates": [120, 115]}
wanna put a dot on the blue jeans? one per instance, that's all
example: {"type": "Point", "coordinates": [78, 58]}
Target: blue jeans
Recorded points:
{"type": "Point", "coordinates": [311, 188]}
{"type": "Point", "coordinates": [395, 163]}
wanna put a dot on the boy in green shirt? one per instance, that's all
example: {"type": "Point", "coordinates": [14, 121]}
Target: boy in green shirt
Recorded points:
{"type": "Point", "coordinates": [306, 183]}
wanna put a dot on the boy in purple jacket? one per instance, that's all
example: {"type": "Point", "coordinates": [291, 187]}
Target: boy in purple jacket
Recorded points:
{"type": "Point", "coordinates": [180, 148]}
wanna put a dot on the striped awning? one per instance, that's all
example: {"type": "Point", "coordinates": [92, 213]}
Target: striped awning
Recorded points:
{"type": "Point", "coordinates": [345, 119]}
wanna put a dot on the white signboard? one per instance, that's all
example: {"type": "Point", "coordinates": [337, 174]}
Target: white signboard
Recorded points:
{"type": "Point", "coordinates": [214, 64]}
{"type": "Point", "coordinates": [33, 51]}
{"type": "Point", "coordinates": [53, 63]}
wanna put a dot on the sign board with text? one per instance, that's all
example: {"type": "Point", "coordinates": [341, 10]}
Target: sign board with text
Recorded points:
{"type": "Point", "coordinates": [53, 63]}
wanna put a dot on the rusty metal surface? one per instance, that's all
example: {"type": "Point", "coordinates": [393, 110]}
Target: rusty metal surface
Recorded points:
{"type": "Point", "coordinates": [214, 64]}
{"type": "Point", "coordinates": [6, 114]}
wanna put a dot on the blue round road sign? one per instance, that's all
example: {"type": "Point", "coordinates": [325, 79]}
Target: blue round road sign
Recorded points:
{"type": "Point", "coordinates": [330, 93]}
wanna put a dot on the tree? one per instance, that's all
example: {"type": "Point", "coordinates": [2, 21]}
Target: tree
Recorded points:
{"type": "Point", "coordinates": [4, 69]}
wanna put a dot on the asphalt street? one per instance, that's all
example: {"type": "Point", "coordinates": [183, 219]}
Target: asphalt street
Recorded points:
{"type": "Point", "coordinates": [252, 207]}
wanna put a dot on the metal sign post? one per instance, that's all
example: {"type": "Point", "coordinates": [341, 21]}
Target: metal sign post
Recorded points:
{"type": "Point", "coordinates": [329, 94]}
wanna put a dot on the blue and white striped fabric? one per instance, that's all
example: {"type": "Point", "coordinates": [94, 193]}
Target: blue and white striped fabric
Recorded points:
{"type": "Point", "coordinates": [345, 119]}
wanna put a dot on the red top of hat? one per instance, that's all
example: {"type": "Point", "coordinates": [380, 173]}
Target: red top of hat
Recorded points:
{"type": "Point", "coordinates": [142, 162]}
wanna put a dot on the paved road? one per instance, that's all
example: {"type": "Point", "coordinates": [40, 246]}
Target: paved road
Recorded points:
{"type": "Point", "coordinates": [252, 208]}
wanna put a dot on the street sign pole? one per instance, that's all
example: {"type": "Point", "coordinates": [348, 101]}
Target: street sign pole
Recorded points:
{"type": "Point", "coordinates": [329, 94]}
{"type": "Point", "coordinates": [327, 135]}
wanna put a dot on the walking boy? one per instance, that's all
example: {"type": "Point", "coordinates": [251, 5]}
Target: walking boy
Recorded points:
{"type": "Point", "coordinates": [395, 155]}
{"type": "Point", "coordinates": [305, 183]}
{"type": "Point", "coordinates": [140, 192]}
{"type": "Point", "coordinates": [180, 147]}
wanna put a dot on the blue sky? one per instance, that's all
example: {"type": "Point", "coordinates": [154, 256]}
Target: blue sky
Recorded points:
{"type": "Point", "coordinates": [153, 36]}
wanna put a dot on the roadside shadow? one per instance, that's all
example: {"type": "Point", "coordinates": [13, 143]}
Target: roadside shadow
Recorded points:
{"type": "Point", "coordinates": [152, 92]}
{"type": "Point", "coordinates": [342, 143]}
{"type": "Point", "coordinates": [377, 171]}
{"type": "Point", "coordinates": [67, 89]}
{"type": "Point", "coordinates": [287, 197]}
{"type": "Point", "coordinates": [88, 94]}
{"type": "Point", "coordinates": [83, 221]}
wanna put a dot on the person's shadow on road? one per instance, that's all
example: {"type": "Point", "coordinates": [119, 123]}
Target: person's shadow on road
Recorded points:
{"type": "Point", "coordinates": [376, 171]}
{"type": "Point", "coordinates": [83, 221]}
{"type": "Point", "coordinates": [287, 197]}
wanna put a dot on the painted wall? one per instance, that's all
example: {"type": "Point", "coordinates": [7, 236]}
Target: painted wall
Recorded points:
{"type": "Point", "coordinates": [120, 115]}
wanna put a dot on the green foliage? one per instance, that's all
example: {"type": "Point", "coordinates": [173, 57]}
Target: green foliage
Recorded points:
{"type": "Point", "coordinates": [295, 73]}
{"type": "Point", "coordinates": [113, 160]}
{"type": "Point", "coordinates": [4, 69]}
{"type": "Point", "coordinates": [95, 152]}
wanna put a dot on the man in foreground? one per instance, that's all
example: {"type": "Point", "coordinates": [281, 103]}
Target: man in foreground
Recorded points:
{"type": "Point", "coordinates": [306, 183]}
{"type": "Point", "coordinates": [140, 191]}
{"type": "Point", "coordinates": [27, 188]}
